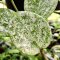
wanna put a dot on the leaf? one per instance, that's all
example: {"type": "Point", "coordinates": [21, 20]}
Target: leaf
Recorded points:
{"type": "Point", "coordinates": [41, 7]}
{"type": "Point", "coordinates": [33, 58]}
{"type": "Point", "coordinates": [28, 31]}
{"type": "Point", "coordinates": [12, 51]}
{"type": "Point", "coordinates": [6, 18]}
{"type": "Point", "coordinates": [33, 32]}
{"type": "Point", "coordinates": [56, 49]}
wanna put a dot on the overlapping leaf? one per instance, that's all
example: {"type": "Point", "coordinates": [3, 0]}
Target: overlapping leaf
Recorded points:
{"type": "Point", "coordinates": [41, 7]}
{"type": "Point", "coordinates": [28, 31]}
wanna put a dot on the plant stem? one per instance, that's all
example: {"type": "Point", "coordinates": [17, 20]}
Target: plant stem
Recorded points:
{"type": "Point", "coordinates": [14, 5]}
{"type": "Point", "coordinates": [43, 54]}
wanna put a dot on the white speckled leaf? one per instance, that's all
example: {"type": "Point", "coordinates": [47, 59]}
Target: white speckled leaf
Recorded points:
{"type": "Point", "coordinates": [41, 7]}
{"type": "Point", "coordinates": [27, 30]}
{"type": "Point", "coordinates": [32, 29]}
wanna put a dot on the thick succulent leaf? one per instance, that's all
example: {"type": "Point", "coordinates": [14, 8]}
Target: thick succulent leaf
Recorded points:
{"type": "Point", "coordinates": [41, 7]}
{"type": "Point", "coordinates": [28, 31]}
{"type": "Point", "coordinates": [6, 20]}
{"type": "Point", "coordinates": [32, 32]}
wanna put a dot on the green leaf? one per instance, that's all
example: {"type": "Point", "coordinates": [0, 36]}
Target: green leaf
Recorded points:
{"type": "Point", "coordinates": [41, 7]}
{"type": "Point", "coordinates": [33, 58]}
{"type": "Point", "coordinates": [33, 32]}
{"type": "Point", "coordinates": [28, 31]}
{"type": "Point", "coordinates": [13, 51]}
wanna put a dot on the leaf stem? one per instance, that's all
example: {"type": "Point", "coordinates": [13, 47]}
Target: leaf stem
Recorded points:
{"type": "Point", "coordinates": [43, 54]}
{"type": "Point", "coordinates": [14, 5]}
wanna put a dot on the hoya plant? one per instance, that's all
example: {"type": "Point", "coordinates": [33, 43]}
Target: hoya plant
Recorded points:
{"type": "Point", "coordinates": [28, 30]}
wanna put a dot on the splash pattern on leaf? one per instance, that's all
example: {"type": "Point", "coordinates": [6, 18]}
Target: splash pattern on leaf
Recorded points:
{"type": "Point", "coordinates": [28, 31]}
{"type": "Point", "coordinates": [33, 32]}
{"type": "Point", "coordinates": [41, 7]}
